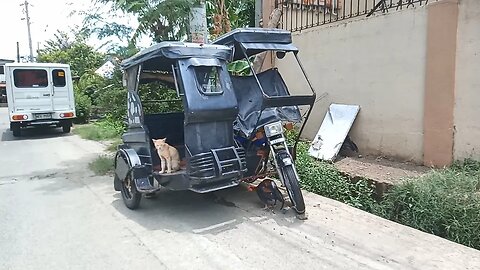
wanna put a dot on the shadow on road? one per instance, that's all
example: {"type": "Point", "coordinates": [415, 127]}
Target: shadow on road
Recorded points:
{"type": "Point", "coordinates": [212, 213]}
{"type": "Point", "coordinates": [34, 133]}
{"type": "Point", "coordinates": [176, 211]}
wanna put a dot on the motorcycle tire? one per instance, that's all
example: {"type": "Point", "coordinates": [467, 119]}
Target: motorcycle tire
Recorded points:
{"type": "Point", "coordinates": [293, 188]}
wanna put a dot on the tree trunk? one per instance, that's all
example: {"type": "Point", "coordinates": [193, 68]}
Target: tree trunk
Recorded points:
{"type": "Point", "coordinates": [272, 23]}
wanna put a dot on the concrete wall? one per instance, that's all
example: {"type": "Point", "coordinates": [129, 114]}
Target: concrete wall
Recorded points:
{"type": "Point", "coordinates": [467, 91]}
{"type": "Point", "coordinates": [377, 63]}
{"type": "Point", "coordinates": [439, 96]}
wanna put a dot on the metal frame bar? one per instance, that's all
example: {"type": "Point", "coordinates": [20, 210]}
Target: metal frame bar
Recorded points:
{"type": "Point", "coordinates": [250, 64]}
{"type": "Point", "coordinates": [349, 10]}
{"type": "Point", "coordinates": [311, 105]}
{"type": "Point", "coordinates": [314, 95]}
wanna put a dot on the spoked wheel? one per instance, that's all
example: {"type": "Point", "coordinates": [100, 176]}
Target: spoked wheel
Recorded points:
{"type": "Point", "coordinates": [293, 188]}
{"type": "Point", "coordinates": [131, 197]}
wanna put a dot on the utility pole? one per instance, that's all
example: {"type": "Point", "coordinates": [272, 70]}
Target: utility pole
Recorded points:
{"type": "Point", "coordinates": [18, 52]}
{"type": "Point", "coordinates": [198, 22]}
{"type": "Point", "coordinates": [258, 12]}
{"type": "Point", "coordinates": [27, 18]}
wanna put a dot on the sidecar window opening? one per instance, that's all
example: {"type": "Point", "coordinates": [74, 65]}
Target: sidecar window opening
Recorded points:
{"type": "Point", "coordinates": [208, 79]}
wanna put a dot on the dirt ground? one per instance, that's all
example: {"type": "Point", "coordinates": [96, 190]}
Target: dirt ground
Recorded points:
{"type": "Point", "coordinates": [379, 169]}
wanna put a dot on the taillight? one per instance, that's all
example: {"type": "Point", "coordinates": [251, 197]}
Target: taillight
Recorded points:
{"type": "Point", "coordinates": [66, 115]}
{"type": "Point", "coordinates": [19, 117]}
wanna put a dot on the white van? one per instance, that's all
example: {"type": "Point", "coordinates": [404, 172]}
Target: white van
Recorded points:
{"type": "Point", "coordinates": [39, 94]}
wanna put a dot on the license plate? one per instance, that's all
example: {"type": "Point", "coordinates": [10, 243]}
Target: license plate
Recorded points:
{"type": "Point", "coordinates": [43, 116]}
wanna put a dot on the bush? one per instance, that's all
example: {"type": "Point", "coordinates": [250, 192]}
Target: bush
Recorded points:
{"type": "Point", "coordinates": [157, 98]}
{"type": "Point", "coordinates": [103, 130]}
{"type": "Point", "coordinates": [324, 179]}
{"type": "Point", "coordinates": [112, 102]}
{"type": "Point", "coordinates": [445, 203]}
{"type": "Point", "coordinates": [83, 107]}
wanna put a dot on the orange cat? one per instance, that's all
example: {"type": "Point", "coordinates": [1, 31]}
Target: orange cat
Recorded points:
{"type": "Point", "coordinates": [168, 155]}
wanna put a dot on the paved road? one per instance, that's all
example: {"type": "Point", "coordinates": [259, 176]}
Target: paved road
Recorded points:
{"type": "Point", "coordinates": [54, 214]}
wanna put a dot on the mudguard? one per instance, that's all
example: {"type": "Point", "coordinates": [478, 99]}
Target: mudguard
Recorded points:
{"type": "Point", "coordinates": [127, 162]}
{"type": "Point", "coordinates": [283, 158]}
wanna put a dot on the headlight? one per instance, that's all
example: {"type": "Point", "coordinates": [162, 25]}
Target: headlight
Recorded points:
{"type": "Point", "coordinates": [273, 129]}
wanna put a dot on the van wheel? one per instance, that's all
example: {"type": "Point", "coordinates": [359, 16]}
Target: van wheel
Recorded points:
{"type": "Point", "coordinates": [66, 128]}
{"type": "Point", "coordinates": [16, 130]}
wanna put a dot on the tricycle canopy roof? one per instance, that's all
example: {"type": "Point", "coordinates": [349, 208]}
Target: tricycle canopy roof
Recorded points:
{"type": "Point", "coordinates": [257, 40]}
{"type": "Point", "coordinates": [161, 56]}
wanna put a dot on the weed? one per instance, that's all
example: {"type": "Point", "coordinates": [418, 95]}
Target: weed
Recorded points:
{"type": "Point", "coordinates": [445, 203]}
{"type": "Point", "coordinates": [112, 147]}
{"type": "Point", "coordinates": [102, 165]}
{"type": "Point", "coordinates": [99, 131]}
{"type": "Point", "coordinates": [324, 179]}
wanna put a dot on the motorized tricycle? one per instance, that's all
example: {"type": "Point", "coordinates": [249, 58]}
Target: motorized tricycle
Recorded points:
{"type": "Point", "coordinates": [229, 130]}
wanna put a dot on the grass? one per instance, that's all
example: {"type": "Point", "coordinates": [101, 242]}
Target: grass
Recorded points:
{"type": "Point", "coordinates": [324, 179]}
{"type": "Point", "coordinates": [112, 147]}
{"type": "Point", "coordinates": [99, 131]}
{"type": "Point", "coordinates": [102, 165]}
{"type": "Point", "coordinates": [445, 203]}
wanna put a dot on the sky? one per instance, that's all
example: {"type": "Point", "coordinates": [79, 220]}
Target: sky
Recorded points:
{"type": "Point", "coordinates": [47, 16]}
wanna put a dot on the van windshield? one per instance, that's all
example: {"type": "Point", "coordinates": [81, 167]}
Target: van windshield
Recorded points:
{"type": "Point", "coordinates": [30, 78]}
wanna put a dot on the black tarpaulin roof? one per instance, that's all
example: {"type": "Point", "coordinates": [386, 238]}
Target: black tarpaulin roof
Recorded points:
{"type": "Point", "coordinates": [161, 56]}
{"type": "Point", "coordinates": [256, 40]}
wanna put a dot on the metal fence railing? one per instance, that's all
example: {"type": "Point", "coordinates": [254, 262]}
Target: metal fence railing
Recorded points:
{"type": "Point", "coordinates": [302, 14]}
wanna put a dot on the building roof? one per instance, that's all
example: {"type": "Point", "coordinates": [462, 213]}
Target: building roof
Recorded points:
{"type": "Point", "coordinates": [3, 61]}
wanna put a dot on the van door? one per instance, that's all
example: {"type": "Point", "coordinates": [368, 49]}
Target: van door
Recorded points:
{"type": "Point", "coordinates": [60, 93]}
{"type": "Point", "coordinates": [30, 89]}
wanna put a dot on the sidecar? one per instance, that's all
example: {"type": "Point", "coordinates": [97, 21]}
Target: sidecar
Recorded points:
{"type": "Point", "coordinates": [202, 133]}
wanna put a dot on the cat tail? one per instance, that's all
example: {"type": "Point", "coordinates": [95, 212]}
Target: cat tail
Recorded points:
{"type": "Point", "coordinates": [175, 165]}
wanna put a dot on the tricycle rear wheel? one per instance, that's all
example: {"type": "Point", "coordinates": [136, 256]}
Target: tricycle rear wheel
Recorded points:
{"type": "Point", "coordinates": [131, 196]}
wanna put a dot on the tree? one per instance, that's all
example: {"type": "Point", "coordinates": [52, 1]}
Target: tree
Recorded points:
{"type": "Point", "coordinates": [159, 19]}
{"type": "Point", "coordinates": [224, 15]}
{"type": "Point", "coordinates": [169, 19]}
{"type": "Point", "coordinates": [81, 57]}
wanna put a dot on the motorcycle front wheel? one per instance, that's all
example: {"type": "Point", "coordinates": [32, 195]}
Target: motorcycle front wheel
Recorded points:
{"type": "Point", "coordinates": [293, 188]}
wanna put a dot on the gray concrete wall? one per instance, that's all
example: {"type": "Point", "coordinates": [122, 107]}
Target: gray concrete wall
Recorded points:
{"type": "Point", "coordinates": [377, 63]}
{"type": "Point", "coordinates": [467, 92]}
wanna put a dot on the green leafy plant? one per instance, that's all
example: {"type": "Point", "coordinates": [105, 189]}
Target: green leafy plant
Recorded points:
{"type": "Point", "coordinates": [239, 68]}
{"type": "Point", "coordinates": [83, 107]}
{"type": "Point", "coordinates": [445, 203]}
{"type": "Point", "coordinates": [324, 179]}
{"type": "Point", "coordinates": [158, 98]}
{"type": "Point", "coordinates": [81, 57]}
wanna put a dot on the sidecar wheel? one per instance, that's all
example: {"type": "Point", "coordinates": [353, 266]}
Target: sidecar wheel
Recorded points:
{"type": "Point", "coordinates": [117, 183]}
{"type": "Point", "coordinates": [131, 197]}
